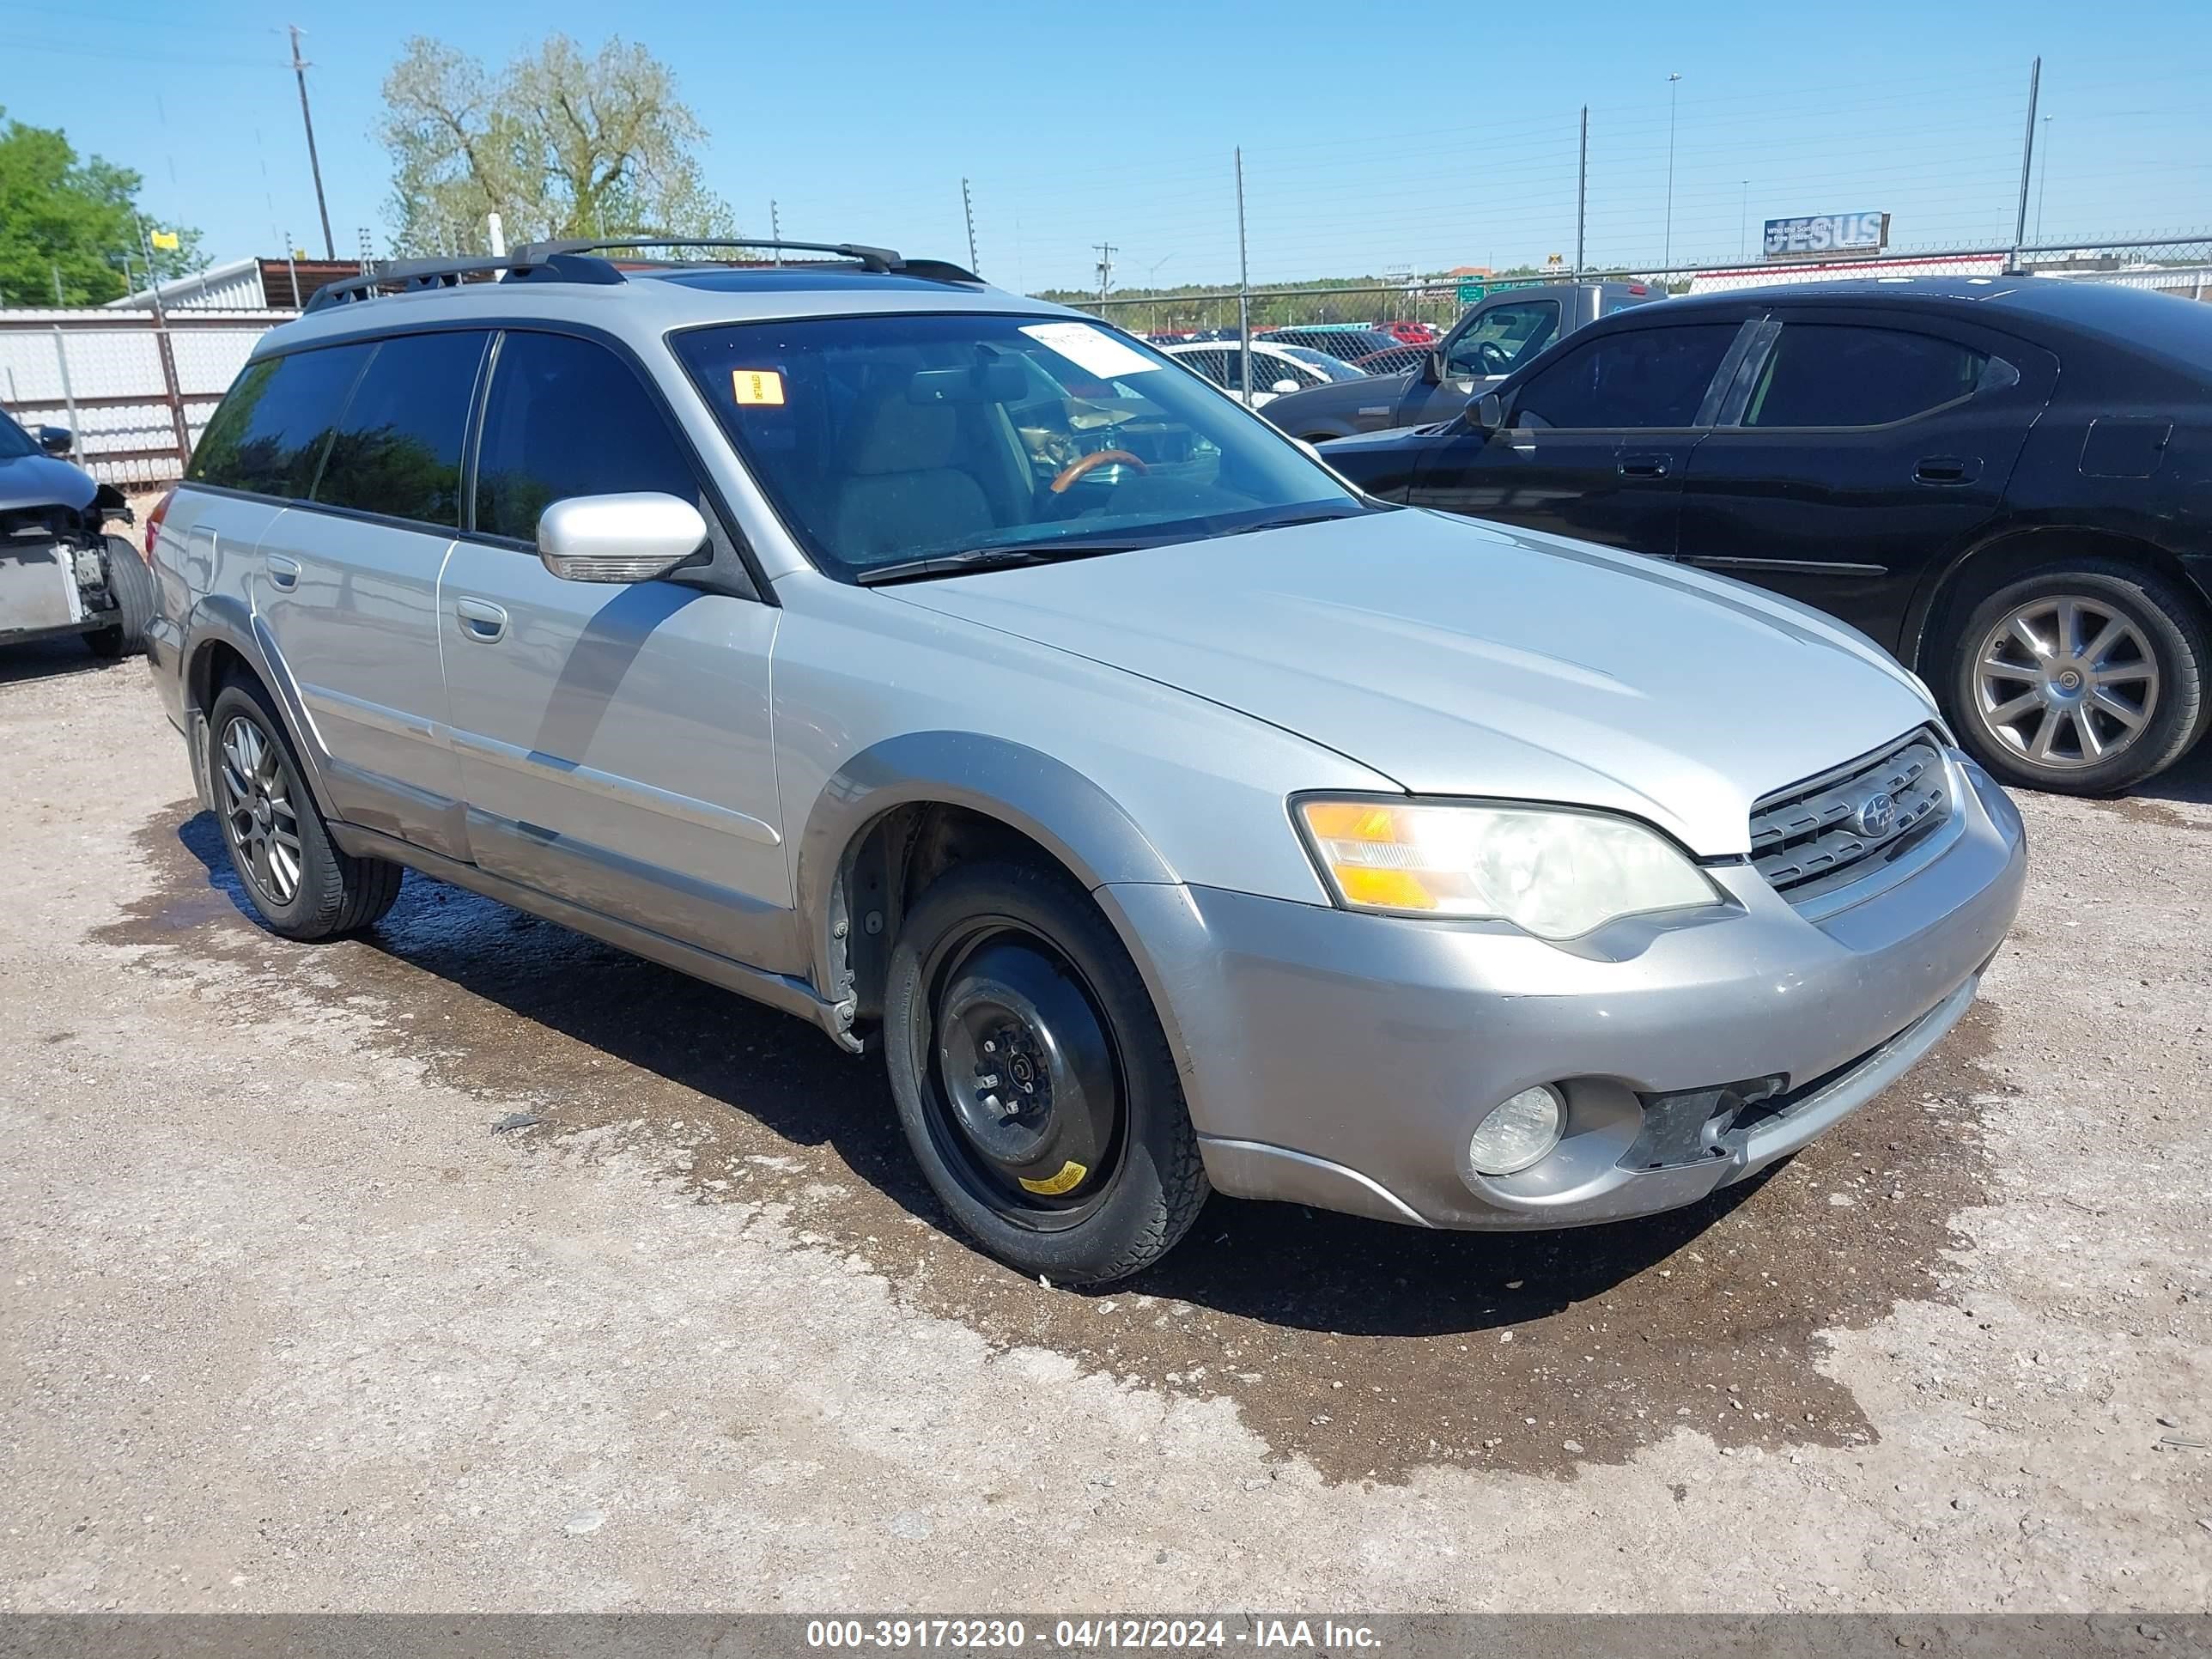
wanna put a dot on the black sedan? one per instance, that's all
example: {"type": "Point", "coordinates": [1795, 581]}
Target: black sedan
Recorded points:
{"type": "Point", "coordinates": [2006, 480]}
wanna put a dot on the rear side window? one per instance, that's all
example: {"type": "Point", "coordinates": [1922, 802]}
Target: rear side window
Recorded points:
{"type": "Point", "coordinates": [1652, 377]}
{"type": "Point", "coordinates": [1833, 374]}
{"type": "Point", "coordinates": [567, 418]}
{"type": "Point", "coordinates": [397, 449]}
{"type": "Point", "coordinates": [270, 435]}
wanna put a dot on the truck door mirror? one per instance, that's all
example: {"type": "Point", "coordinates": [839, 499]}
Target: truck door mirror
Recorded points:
{"type": "Point", "coordinates": [1485, 414]}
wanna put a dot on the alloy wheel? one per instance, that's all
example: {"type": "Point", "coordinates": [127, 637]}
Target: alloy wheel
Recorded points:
{"type": "Point", "coordinates": [2065, 681]}
{"type": "Point", "coordinates": [258, 813]}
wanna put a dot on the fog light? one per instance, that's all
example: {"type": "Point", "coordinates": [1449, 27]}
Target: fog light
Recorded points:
{"type": "Point", "coordinates": [1518, 1134]}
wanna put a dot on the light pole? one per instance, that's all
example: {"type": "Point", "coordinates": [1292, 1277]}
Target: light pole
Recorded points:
{"type": "Point", "coordinates": [1743, 225]}
{"type": "Point", "coordinates": [2043, 184]}
{"type": "Point", "coordinates": [1673, 82]}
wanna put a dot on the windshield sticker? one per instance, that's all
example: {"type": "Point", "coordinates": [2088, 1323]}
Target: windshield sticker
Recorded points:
{"type": "Point", "coordinates": [1092, 350]}
{"type": "Point", "coordinates": [756, 386]}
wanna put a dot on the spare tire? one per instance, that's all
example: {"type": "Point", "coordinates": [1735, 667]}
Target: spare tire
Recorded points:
{"type": "Point", "coordinates": [132, 586]}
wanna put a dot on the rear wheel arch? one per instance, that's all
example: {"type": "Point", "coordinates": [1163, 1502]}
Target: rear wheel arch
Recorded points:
{"type": "Point", "coordinates": [225, 645]}
{"type": "Point", "coordinates": [2009, 554]}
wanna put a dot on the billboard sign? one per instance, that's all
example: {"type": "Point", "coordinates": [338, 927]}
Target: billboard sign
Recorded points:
{"type": "Point", "coordinates": [1815, 234]}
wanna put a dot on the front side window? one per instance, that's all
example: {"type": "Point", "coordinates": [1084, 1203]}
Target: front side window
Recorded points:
{"type": "Point", "coordinates": [1831, 374]}
{"type": "Point", "coordinates": [275, 423]}
{"type": "Point", "coordinates": [15, 442]}
{"type": "Point", "coordinates": [397, 449]}
{"type": "Point", "coordinates": [1502, 339]}
{"type": "Point", "coordinates": [564, 417]}
{"type": "Point", "coordinates": [885, 440]}
{"type": "Point", "coordinates": [1648, 377]}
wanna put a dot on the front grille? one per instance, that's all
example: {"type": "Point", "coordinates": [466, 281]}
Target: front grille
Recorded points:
{"type": "Point", "coordinates": [1815, 836]}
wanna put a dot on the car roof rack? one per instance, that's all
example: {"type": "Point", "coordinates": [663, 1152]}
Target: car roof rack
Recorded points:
{"type": "Point", "coordinates": [414, 276]}
{"type": "Point", "coordinates": [579, 260]}
{"type": "Point", "coordinates": [879, 261]}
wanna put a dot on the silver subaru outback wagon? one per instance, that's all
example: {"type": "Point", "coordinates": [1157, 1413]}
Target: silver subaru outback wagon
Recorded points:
{"type": "Point", "coordinates": [964, 677]}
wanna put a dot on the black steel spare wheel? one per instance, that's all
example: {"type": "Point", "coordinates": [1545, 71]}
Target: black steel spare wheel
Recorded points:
{"type": "Point", "coordinates": [1033, 1077]}
{"type": "Point", "coordinates": [1027, 1081]}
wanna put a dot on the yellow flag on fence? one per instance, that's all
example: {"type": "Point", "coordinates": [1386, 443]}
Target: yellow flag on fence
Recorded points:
{"type": "Point", "coordinates": [165, 241]}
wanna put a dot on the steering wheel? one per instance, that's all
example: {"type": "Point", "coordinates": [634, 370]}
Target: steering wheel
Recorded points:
{"type": "Point", "coordinates": [1083, 463]}
{"type": "Point", "coordinates": [1496, 359]}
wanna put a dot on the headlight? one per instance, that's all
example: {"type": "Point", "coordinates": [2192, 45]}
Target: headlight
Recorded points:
{"type": "Point", "coordinates": [1553, 872]}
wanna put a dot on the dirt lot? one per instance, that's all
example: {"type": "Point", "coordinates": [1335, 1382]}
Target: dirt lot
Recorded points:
{"type": "Point", "coordinates": [287, 1325]}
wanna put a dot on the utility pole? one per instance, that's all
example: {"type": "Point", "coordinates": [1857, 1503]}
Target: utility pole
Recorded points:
{"type": "Point", "coordinates": [1105, 268]}
{"type": "Point", "coordinates": [1243, 291]}
{"type": "Point", "coordinates": [774, 231]}
{"type": "Point", "coordinates": [300, 67]}
{"type": "Point", "coordinates": [1743, 225]}
{"type": "Point", "coordinates": [1582, 194]}
{"type": "Point", "coordinates": [2043, 180]}
{"type": "Point", "coordinates": [164, 350]}
{"type": "Point", "coordinates": [2026, 160]}
{"type": "Point", "coordinates": [59, 301]}
{"type": "Point", "coordinates": [967, 207]}
{"type": "Point", "coordinates": [1673, 88]}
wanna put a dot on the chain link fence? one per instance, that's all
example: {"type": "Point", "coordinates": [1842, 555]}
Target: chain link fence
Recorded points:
{"type": "Point", "coordinates": [1387, 326]}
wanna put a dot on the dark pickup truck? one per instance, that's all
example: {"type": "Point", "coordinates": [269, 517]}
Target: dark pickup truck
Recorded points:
{"type": "Point", "coordinates": [1491, 339]}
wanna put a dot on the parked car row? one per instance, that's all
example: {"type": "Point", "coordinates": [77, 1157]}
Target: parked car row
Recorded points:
{"type": "Point", "coordinates": [966, 677]}
{"type": "Point", "coordinates": [2005, 481]}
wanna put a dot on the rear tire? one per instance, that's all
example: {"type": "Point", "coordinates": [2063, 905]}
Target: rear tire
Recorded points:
{"type": "Point", "coordinates": [305, 887]}
{"type": "Point", "coordinates": [1033, 1078]}
{"type": "Point", "coordinates": [132, 585]}
{"type": "Point", "coordinates": [2080, 679]}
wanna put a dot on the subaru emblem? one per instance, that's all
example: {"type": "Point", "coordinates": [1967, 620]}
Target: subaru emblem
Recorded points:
{"type": "Point", "coordinates": [1876, 815]}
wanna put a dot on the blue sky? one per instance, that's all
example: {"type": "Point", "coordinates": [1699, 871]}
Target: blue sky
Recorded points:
{"type": "Point", "coordinates": [1404, 135]}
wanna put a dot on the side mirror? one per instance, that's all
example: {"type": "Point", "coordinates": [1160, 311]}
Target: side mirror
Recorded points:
{"type": "Point", "coordinates": [56, 440]}
{"type": "Point", "coordinates": [1284, 387]}
{"type": "Point", "coordinates": [618, 539]}
{"type": "Point", "coordinates": [1485, 414]}
{"type": "Point", "coordinates": [1432, 366]}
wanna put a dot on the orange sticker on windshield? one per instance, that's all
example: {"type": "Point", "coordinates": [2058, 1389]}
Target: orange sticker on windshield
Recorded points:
{"type": "Point", "coordinates": [756, 385]}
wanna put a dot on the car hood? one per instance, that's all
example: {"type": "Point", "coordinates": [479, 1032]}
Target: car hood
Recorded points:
{"type": "Point", "coordinates": [1466, 658]}
{"type": "Point", "coordinates": [42, 480]}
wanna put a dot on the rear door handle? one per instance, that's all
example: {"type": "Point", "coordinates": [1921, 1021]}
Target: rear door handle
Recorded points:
{"type": "Point", "coordinates": [1945, 469]}
{"type": "Point", "coordinates": [481, 620]}
{"type": "Point", "coordinates": [1643, 466]}
{"type": "Point", "coordinates": [283, 573]}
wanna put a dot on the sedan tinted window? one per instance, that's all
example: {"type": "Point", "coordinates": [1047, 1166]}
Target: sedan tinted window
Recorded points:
{"type": "Point", "coordinates": [567, 418]}
{"type": "Point", "coordinates": [1824, 374]}
{"type": "Point", "coordinates": [270, 435]}
{"type": "Point", "coordinates": [398, 450]}
{"type": "Point", "coordinates": [1652, 377]}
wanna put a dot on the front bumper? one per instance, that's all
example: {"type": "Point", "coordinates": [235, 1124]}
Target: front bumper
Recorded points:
{"type": "Point", "coordinates": [1342, 1059]}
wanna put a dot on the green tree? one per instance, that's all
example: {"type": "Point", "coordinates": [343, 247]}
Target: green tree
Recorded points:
{"type": "Point", "coordinates": [60, 212]}
{"type": "Point", "coordinates": [558, 144]}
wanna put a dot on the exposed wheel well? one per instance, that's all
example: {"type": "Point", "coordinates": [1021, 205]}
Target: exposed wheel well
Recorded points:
{"type": "Point", "coordinates": [2021, 553]}
{"type": "Point", "coordinates": [889, 867]}
{"type": "Point", "coordinates": [215, 668]}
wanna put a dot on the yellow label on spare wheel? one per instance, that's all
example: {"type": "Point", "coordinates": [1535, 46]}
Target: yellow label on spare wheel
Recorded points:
{"type": "Point", "coordinates": [756, 385]}
{"type": "Point", "coordinates": [1071, 1174]}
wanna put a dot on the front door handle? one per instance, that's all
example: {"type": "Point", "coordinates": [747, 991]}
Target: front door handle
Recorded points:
{"type": "Point", "coordinates": [480, 620]}
{"type": "Point", "coordinates": [283, 573]}
{"type": "Point", "coordinates": [1945, 469]}
{"type": "Point", "coordinates": [1643, 466]}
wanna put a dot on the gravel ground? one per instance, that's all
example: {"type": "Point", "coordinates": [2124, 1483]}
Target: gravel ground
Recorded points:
{"type": "Point", "coordinates": [289, 1326]}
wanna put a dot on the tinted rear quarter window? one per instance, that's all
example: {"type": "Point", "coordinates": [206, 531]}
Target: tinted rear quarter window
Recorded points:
{"type": "Point", "coordinates": [1837, 375]}
{"type": "Point", "coordinates": [272, 428]}
{"type": "Point", "coordinates": [397, 449]}
{"type": "Point", "coordinates": [1647, 377]}
{"type": "Point", "coordinates": [567, 418]}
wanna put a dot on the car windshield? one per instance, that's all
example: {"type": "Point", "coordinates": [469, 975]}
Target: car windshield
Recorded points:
{"type": "Point", "coordinates": [15, 442]}
{"type": "Point", "coordinates": [1322, 362]}
{"type": "Point", "coordinates": [885, 440]}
